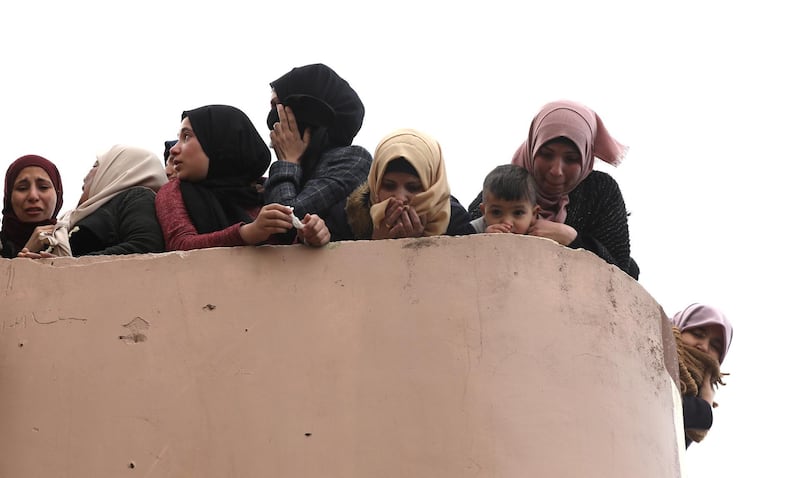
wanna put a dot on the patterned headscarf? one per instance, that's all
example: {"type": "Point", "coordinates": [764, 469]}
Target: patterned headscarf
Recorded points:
{"type": "Point", "coordinates": [425, 155]}
{"type": "Point", "coordinates": [583, 127]}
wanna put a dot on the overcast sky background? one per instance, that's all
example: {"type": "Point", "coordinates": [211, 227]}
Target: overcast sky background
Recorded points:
{"type": "Point", "coordinates": [704, 93]}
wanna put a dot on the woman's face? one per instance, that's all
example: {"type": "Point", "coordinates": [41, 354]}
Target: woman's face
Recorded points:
{"type": "Point", "coordinates": [189, 159]}
{"type": "Point", "coordinates": [401, 186]}
{"type": "Point", "coordinates": [557, 167]}
{"type": "Point", "coordinates": [33, 197]}
{"type": "Point", "coordinates": [708, 338]}
{"type": "Point", "coordinates": [87, 182]}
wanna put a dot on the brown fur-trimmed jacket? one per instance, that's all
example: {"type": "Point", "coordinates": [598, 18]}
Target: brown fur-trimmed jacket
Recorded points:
{"type": "Point", "coordinates": [350, 219]}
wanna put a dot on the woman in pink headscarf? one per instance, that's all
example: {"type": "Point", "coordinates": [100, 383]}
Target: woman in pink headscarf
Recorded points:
{"type": "Point", "coordinates": [703, 336]}
{"type": "Point", "coordinates": [580, 207]}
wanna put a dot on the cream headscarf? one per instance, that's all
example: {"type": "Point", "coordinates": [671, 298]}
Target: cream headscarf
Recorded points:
{"type": "Point", "coordinates": [425, 155]}
{"type": "Point", "coordinates": [120, 168]}
{"type": "Point", "coordinates": [583, 127]}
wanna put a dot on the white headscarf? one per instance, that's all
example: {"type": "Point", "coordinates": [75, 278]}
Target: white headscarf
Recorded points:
{"type": "Point", "coordinates": [120, 168]}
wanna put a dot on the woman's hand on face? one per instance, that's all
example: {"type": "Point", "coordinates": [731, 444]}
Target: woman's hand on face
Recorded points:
{"type": "Point", "coordinates": [37, 243]}
{"type": "Point", "coordinates": [411, 225]}
{"type": "Point", "coordinates": [400, 220]}
{"type": "Point", "coordinates": [707, 391]}
{"type": "Point", "coordinates": [314, 231]}
{"type": "Point", "coordinates": [384, 230]}
{"type": "Point", "coordinates": [561, 233]}
{"type": "Point", "coordinates": [285, 137]}
{"type": "Point", "coordinates": [27, 253]}
{"type": "Point", "coordinates": [271, 219]}
{"type": "Point", "coordinates": [499, 228]}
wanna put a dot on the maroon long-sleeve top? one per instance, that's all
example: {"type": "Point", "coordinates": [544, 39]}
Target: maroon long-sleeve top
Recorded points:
{"type": "Point", "coordinates": [179, 232]}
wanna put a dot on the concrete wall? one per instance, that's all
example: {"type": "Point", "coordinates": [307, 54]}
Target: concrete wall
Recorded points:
{"type": "Point", "coordinates": [481, 356]}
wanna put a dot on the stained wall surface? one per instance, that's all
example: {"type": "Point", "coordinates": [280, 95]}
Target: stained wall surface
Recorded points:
{"type": "Point", "coordinates": [483, 356]}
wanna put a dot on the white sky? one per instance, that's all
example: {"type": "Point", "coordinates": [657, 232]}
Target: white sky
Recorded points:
{"type": "Point", "coordinates": [704, 93]}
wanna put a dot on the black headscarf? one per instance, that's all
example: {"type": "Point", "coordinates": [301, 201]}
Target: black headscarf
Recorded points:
{"type": "Point", "coordinates": [322, 100]}
{"type": "Point", "coordinates": [238, 157]}
{"type": "Point", "coordinates": [167, 146]}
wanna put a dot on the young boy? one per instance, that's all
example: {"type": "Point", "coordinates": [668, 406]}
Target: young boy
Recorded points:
{"type": "Point", "coordinates": [509, 201]}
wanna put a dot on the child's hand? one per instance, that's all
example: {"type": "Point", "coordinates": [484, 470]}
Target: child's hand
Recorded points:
{"type": "Point", "coordinates": [500, 227]}
{"type": "Point", "coordinates": [271, 219]}
{"type": "Point", "coordinates": [314, 232]}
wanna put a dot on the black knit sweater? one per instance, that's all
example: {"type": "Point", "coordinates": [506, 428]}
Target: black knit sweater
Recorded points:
{"type": "Point", "coordinates": [126, 224]}
{"type": "Point", "coordinates": [597, 212]}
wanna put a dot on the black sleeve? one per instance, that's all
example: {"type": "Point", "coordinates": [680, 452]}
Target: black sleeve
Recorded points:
{"type": "Point", "coordinates": [8, 249]}
{"type": "Point", "coordinates": [133, 225]}
{"type": "Point", "coordinates": [697, 413]}
{"type": "Point", "coordinates": [459, 220]}
{"type": "Point", "coordinates": [597, 213]}
{"type": "Point", "coordinates": [337, 223]}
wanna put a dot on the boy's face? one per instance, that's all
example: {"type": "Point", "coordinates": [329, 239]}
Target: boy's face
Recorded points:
{"type": "Point", "coordinates": [519, 214]}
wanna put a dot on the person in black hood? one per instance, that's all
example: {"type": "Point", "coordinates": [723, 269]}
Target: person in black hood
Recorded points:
{"type": "Point", "coordinates": [314, 117]}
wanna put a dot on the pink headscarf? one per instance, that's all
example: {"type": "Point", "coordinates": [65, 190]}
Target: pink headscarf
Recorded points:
{"type": "Point", "coordinates": [583, 127]}
{"type": "Point", "coordinates": [700, 315]}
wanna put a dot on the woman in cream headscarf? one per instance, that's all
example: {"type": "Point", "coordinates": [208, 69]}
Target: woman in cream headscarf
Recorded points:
{"type": "Point", "coordinates": [406, 194]}
{"type": "Point", "coordinates": [116, 212]}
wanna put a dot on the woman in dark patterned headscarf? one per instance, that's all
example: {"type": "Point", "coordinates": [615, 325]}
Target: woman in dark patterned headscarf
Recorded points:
{"type": "Point", "coordinates": [314, 118]}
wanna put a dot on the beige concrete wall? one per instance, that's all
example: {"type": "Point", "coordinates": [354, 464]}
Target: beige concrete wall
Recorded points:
{"type": "Point", "coordinates": [483, 356]}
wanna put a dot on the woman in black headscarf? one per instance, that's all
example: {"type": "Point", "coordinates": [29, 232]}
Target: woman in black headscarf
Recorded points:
{"type": "Point", "coordinates": [218, 161]}
{"type": "Point", "coordinates": [314, 117]}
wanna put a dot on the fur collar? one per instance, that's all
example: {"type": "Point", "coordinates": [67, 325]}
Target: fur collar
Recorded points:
{"type": "Point", "coordinates": [357, 210]}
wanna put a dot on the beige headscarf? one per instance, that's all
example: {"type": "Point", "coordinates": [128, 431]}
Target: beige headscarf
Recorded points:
{"type": "Point", "coordinates": [120, 168]}
{"type": "Point", "coordinates": [425, 155]}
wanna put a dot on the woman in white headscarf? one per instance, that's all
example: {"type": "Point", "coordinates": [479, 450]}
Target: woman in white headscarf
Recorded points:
{"type": "Point", "coordinates": [116, 212]}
